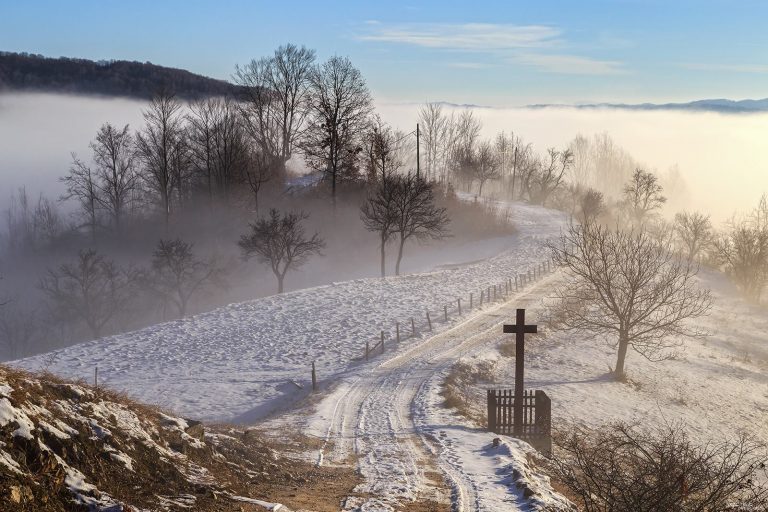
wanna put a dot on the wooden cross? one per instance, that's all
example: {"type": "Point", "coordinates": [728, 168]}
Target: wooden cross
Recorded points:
{"type": "Point", "coordinates": [520, 330]}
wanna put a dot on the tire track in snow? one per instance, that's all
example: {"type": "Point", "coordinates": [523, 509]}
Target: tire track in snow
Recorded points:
{"type": "Point", "coordinates": [379, 415]}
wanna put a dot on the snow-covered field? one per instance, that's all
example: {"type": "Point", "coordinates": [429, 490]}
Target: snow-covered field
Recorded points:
{"type": "Point", "coordinates": [717, 387]}
{"type": "Point", "coordinates": [240, 362]}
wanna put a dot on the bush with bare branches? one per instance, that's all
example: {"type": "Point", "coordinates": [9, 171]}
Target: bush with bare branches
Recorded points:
{"type": "Point", "coordinates": [621, 468]}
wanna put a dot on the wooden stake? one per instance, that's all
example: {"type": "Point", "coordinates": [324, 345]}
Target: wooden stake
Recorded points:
{"type": "Point", "coordinates": [445, 309]}
{"type": "Point", "coordinates": [96, 377]}
{"type": "Point", "coordinates": [429, 322]}
{"type": "Point", "coordinates": [382, 342]}
{"type": "Point", "coordinates": [481, 297]}
{"type": "Point", "coordinates": [470, 300]}
{"type": "Point", "coordinates": [314, 377]}
{"type": "Point", "coordinates": [397, 330]}
{"type": "Point", "coordinates": [367, 349]}
{"type": "Point", "coordinates": [458, 301]}
{"type": "Point", "coordinates": [413, 327]}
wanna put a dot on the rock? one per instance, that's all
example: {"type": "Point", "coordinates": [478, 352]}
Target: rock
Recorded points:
{"type": "Point", "coordinates": [195, 429]}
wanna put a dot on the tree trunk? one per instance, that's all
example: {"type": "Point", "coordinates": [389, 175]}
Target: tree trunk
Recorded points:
{"type": "Point", "coordinates": [383, 260]}
{"type": "Point", "coordinates": [622, 355]}
{"type": "Point", "coordinates": [280, 278]}
{"type": "Point", "coordinates": [399, 256]}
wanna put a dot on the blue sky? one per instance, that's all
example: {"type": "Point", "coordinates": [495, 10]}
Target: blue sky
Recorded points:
{"type": "Point", "coordinates": [490, 53]}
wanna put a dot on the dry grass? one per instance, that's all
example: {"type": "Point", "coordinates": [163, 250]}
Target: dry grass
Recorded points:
{"type": "Point", "coordinates": [462, 392]}
{"type": "Point", "coordinates": [236, 461]}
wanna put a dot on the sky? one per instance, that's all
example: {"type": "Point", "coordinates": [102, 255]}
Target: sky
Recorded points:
{"type": "Point", "coordinates": [502, 53]}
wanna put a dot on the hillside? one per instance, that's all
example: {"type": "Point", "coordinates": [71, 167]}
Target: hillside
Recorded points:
{"type": "Point", "coordinates": [240, 362]}
{"type": "Point", "coordinates": [721, 105]}
{"type": "Point", "coordinates": [68, 446]}
{"type": "Point", "coordinates": [27, 73]}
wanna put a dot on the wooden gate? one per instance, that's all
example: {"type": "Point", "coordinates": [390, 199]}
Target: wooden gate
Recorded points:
{"type": "Point", "coordinates": [536, 427]}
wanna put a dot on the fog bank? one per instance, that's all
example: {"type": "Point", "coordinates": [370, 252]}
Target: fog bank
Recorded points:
{"type": "Point", "coordinates": [720, 156]}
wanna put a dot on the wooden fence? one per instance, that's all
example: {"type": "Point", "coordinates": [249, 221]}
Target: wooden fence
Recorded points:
{"type": "Point", "coordinates": [492, 293]}
{"type": "Point", "coordinates": [536, 427]}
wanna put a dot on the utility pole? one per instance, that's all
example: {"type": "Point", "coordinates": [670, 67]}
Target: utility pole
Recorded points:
{"type": "Point", "coordinates": [418, 158]}
{"type": "Point", "coordinates": [514, 172]}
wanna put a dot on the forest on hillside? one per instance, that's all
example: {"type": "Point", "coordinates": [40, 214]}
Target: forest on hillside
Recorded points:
{"type": "Point", "coordinates": [31, 72]}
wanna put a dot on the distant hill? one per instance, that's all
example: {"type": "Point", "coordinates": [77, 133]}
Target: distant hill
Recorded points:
{"type": "Point", "coordinates": [710, 105]}
{"type": "Point", "coordinates": [27, 72]}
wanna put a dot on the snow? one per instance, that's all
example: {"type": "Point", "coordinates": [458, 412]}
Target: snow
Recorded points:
{"type": "Point", "coordinates": [388, 416]}
{"type": "Point", "coordinates": [9, 413]}
{"type": "Point", "coordinates": [265, 504]}
{"type": "Point", "coordinates": [236, 363]}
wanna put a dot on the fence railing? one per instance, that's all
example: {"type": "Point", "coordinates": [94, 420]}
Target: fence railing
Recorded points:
{"type": "Point", "coordinates": [501, 291]}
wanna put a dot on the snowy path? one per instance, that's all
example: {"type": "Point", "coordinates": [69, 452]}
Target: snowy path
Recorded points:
{"type": "Point", "coordinates": [391, 419]}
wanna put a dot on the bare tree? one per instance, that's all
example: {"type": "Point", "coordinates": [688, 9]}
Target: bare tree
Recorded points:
{"type": "Point", "coordinates": [115, 170]}
{"type": "Point", "coordinates": [630, 288]}
{"type": "Point", "coordinates": [742, 251]}
{"type": "Point", "coordinates": [643, 195]}
{"type": "Point", "coordinates": [591, 206]}
{"type": "Point", "coordinates": [622, 468]}
{"type": "Point", "coordinates": [277, 99]}
{"type": "Point", "coordinates": [161, 147]}
{"type": "Point", "coordinates": [416, 214]}
{"type": "Point", "coordinates": [485, 165]}
{"type": "Point", "coordinates": [340, 106]}
{"type": "Point", "coordinates": [384, 149]}
{"type": "Point", "coordinates": [546, 175]}
{"type": "Point", "coordinates": [694, 230]}
{"type": "Point", "coordinates": [177, 274]}
{"type": "Point", "coordinates": [81, 186]}
{"type": "Point", "coordinates": [379, 214]}
{"type": "Point", "coordinates": [93, 289]}
{"type": "Point", "coordinates": [433, 125]}
{"type": "Point", "coordinates": [260, 168]}
{"type": "Point", "coordinates": [279, 240]}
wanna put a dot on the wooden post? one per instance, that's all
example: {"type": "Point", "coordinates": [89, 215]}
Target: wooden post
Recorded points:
{"type": "Point", "coordinates": [429, 322]}
{"type": "Point", "coordinates": [445, 309]}
{"type": "Point", "coordinates": [413, 327]}
{"type": "Point", "coordinates": [314, 377]}
{"type": "Point", "coordinates": [489, 294]}
{"type": "Point", "coordinates": [458, 301]}
{"type": "Point", "coordinates": [494, 293]}
{"type": "Point", "coordinates": [397, 330]}
{"type": "Point", "coordinates": [481, 297]}
{"type": "Point", "coordinates": [367, 349]}
{"type": "Point", "coordinates": [96, 377]}
{"type": "Point", "coordinates": [492, 410]}
{"type": "Point", "coordinates": [543, 420]}
{"type": "Point", "coordinates": [519, 329]}
{"type": "Point", "coordinates": [382, 342]}
{"type": "Point", "coordinates": [470, 300]}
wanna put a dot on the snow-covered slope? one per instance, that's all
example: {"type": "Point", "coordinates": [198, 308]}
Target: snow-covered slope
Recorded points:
{"type": "Point", "coordinates": [717, 387]}
{"type": "Point", "coordinates": [240, 362]}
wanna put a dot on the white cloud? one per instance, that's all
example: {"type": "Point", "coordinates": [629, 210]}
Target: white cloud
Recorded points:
{"type": "Point", "coordinates": [532, 45]}
{"type": "Point", "coordinates": [466, 36]}
{"type": "Point", "coordinates": [570, 64]}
